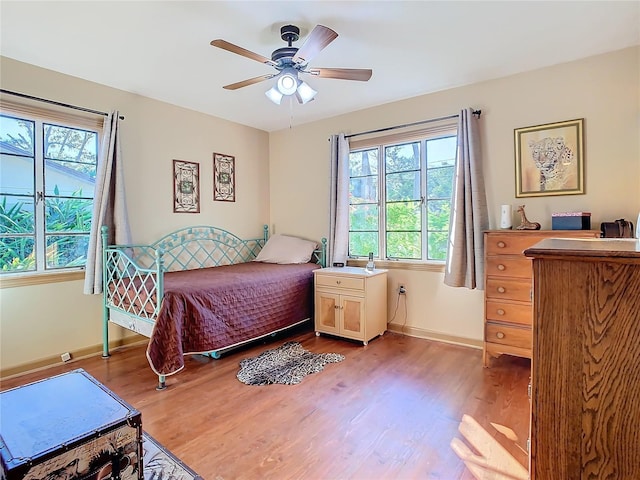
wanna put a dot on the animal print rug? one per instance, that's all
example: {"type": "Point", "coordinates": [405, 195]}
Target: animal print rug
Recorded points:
{"type": "Point", "coordinates": [287, 364]}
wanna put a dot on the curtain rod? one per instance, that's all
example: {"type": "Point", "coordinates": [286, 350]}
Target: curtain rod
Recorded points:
{"type": "Point", "coordinates": [53, 102]}
{"type": "Point", "coordinates": [477, 113]}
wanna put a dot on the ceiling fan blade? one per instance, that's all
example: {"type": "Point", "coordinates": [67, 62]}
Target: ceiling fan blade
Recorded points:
{"type": "Point", "coordinates": [250, 81]}
{"type": "Point", "coordinates": [230, 47]}
{"type": "Point", "coordinates": [319, 38]}
{"type": "Point", "coordinates": [360, 74]}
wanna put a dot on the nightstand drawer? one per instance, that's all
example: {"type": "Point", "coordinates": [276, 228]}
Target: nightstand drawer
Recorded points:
{"type": "Point", "coordinates": [509, 312]}
{"type": "Point", "coordinates": [506, 335]}
{"type": "Point", "coordinates": [508, 289]}
{"type": "Point", "coordinates": [506, 266]}
{"type": "Point", "coordinates": [340, 282]}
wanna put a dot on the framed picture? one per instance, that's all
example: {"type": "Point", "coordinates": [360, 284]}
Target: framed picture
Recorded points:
{"type": "Point", "coordinates": [186, 187]}
{"type": "Point", "coordinates": [550, 159]}
{"type": "Point", "coordinates": [224, 178]}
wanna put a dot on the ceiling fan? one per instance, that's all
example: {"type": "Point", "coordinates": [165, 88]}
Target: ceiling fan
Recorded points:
{"type": "Point", "coordinates": [290, 61]}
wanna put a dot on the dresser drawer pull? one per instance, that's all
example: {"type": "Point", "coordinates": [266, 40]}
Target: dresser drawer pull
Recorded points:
{"type": "Point", "coordinates": [501, 289]}
{"type": "Point", "coordinates": [500, 311]}
{"type": "Point", "coordinates": [501, 267]}
{"type": "Point", "coordinates": [500, 335]}
{"type": "Point", "coordinates": [501, 244]}
{"type": "Point", "coordinates": [338, 282]}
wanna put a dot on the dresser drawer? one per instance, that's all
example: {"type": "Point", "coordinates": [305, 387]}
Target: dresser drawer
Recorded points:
{"type": "Point", "coordinates": [339, 281]}
{"type": "Point", "coordinates": [509, 312]}
{"type": "Point", "coordinates": [509, 244]}
{"type": "Point", "coordinates": [506, 335]}
{"type": "Point", "coordinates": [508, 289]}
{"type": "Point", "coordinates": [508, 266]}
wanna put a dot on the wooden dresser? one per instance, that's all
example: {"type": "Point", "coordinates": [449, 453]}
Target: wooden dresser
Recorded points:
{"type": "Point", "coordinates": [585, 401]}
{"type": "Point", "coordinates": [508, 314]}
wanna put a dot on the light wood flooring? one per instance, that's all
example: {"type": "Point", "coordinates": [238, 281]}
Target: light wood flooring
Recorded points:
{"type": "Point", "coordinates": [388, 411]}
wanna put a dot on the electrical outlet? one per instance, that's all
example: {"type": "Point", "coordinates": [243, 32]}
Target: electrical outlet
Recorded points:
{"type": "Point", "coordinates": [401, 289]}
{"type": "Point", "coordinates": [66, 356]}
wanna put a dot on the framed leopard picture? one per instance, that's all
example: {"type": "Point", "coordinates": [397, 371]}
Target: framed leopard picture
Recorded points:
{"type": "Point", "coordinates": [550, 159]}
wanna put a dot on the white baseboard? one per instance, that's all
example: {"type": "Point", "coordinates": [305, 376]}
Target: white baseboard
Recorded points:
{"type": "Point", "coordinates": [437, 336]}
{"type": "Point", "coordinates": [6, 374]}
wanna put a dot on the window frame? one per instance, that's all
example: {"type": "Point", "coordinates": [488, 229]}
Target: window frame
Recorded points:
{"type": "Point", "coordinates": [55, 117]}
{"type": "Point", "coordinates": [434, 131]}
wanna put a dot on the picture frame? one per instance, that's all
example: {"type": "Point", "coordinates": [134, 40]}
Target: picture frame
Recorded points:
{"type": "Point", "coordinates": [224, 178]}
{"type": "Point", "coordinates": [550, 159]}
{"type": "Point", "coordinates": [186, 187]}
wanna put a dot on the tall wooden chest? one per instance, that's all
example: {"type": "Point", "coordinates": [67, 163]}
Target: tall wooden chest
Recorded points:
{"type": "Point", "coordinates": [508, 288]}
{"type": "Point", "coordinates": [69, 426]}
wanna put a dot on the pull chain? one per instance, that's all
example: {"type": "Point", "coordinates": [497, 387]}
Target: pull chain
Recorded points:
{"type": "Point", "coordinates": [290, 112]}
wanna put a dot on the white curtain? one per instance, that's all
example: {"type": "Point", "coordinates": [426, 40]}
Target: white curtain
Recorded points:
{"type": "Point", "coordinates": [339, 201]}
{"type": "Point", "coordinates": [109, 207]}
{"type": "Point", "coordinates": [469, 216]}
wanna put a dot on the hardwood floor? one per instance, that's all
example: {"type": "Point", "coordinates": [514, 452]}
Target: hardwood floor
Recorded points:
{"type": "Point", "coordinates": [388, 411]}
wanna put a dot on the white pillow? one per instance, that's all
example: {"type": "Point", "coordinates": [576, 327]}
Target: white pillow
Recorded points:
{"type": "Point", "coordinates": [284, 249]}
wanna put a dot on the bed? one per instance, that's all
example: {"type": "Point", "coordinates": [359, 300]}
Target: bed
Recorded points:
{"type": "Point", "coordinates": [203, 290]}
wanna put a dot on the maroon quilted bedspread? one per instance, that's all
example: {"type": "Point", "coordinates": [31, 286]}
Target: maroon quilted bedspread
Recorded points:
{"type": "Point", "coordinates": [213, 308]}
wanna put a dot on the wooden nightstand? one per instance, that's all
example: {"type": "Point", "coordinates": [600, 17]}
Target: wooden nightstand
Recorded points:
{"type": "Point", "coordinates": [351, 302]}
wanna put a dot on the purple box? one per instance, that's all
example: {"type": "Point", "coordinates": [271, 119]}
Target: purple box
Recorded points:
{"type": "Point", "coordinates": [571, 221]}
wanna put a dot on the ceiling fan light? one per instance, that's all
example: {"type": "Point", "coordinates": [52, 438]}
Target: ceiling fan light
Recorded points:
{"type": "Point", "coordinates": [274, 95]}
{"type": "Point", "coordinates": [305, 93]}
{"type": "Point", "coordinates": [287, 83]}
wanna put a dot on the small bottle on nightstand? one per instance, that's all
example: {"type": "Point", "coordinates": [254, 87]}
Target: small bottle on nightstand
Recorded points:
{"type": "Point", "coordinates": [370, 265]}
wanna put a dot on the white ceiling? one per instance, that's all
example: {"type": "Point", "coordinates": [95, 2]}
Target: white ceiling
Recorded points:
{"type": "Point", "coordinates": [160, 49]}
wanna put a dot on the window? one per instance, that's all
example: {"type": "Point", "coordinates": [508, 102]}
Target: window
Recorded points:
{"type": "Point", "coordinates": [400, 195]}
{"type": "Point", "coordinates": [47, 179]}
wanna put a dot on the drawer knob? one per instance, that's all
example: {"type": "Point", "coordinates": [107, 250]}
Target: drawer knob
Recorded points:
{"type": "Point", "coordinates": [338, 282]}
{"type": "Point", "coordinates": [501, 267]}
{"type": "Point", "coordinates": [501, 244]}
{"type": "Point", "coordinates": [500, 335]}
{"type": "Point", "coordinates": [500, 311]}
{"type": "Point", "coordinates": [501, 289]}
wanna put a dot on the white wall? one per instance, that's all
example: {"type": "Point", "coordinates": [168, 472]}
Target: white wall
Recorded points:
{"type": "Point", "coordinates": [153, 134]}
{"type": "Point", "coordinates": [604, 90]}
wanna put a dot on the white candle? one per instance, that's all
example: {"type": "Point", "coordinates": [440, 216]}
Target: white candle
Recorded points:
{"type": "Point", "coordinates": [505, 216]}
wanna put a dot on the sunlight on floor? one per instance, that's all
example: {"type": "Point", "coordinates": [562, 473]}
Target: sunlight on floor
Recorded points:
{"type": "Point", "coordinates": [492, 461]}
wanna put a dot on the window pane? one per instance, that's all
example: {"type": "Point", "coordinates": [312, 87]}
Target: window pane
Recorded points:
{"type": "Point", "coordinates": [438, 212]}
{"type": "Point", "coordinates": [441, 152]}
{"type": "Point", "coordinates": [72, 144]}
{"type": "Point", "coordinates": [363, 190]}
{"type": "Point", "coordinates": [361, 243]}
{"type": "Point", "coordinates": [16, 174]}
{"type": "Point", "coordinates": [403, 186]}
{"type": "Point", "coordinates": [404, 157]}
{"type": "Point", "coordinates": [364, 162]}
{"type": "Point", "coordinates": [16, 254]}
{"type": "Point", "coordinates": [67, 250]}
{"type": "Point", "coordinates": [68, 215]}
{"type": "Point", "coordinates": [437, 249]}
{"type": "Point", "coordinates": [363, 217]}
{"type": "Point", "coordinates": [440, 182]}
{"type": "Point", "coordinates": [16, 214]}
{"type": "Point", "coordinates": [69, 178]}
{"type": "Point", "coordinates": [403, 216]}
{"type": "Point", "coordinates": [16, 136]}
{"type": "Point", "coordinates": [404, 245]}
